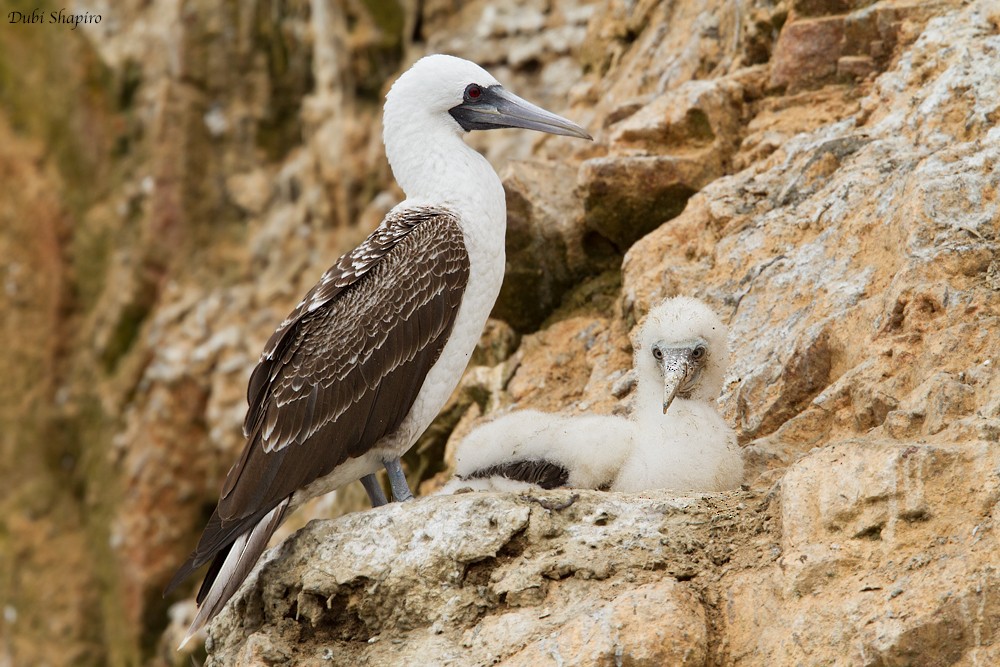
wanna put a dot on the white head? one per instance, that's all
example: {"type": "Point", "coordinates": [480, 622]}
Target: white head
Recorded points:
{"type": "Point", "coordinates": [683, 343]}
{"type": "Point", "coordinates": [435, 102]}
{"type": "Point", "coordinates": [462, 96]}
{"type": "Point", "coordinates": [434, 85]}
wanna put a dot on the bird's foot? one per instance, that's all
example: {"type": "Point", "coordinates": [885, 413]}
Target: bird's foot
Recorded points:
{"type": "Point", "coordinates": [374, 489]}
{"type": "Point", "coordinates": [397, 480]}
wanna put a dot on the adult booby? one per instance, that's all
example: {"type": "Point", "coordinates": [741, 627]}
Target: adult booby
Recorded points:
{"type": "Point", "coordinates": [675, 439]}
{"type": "Point", "coordinates": [364, 362]}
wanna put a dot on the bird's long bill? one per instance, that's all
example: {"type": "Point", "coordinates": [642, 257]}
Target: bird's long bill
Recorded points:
{"type": "Point", "coordinates": [673, 379]}
{"type": "Point", "coordinates": [678, 365]}
{"type": "Point", "coordinates": [500, 108]}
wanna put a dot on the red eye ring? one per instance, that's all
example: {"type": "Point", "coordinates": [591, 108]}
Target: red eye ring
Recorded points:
{"type": "Point", "coordinates": [473, 92]}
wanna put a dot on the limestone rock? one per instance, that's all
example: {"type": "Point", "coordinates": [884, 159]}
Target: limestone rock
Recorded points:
{"type": "Point", "coordinates": [664, 152]}
{"type": "Point", "coordinates": [178, 175]}
{"type": "Point", "coordinates": [545, 254]}
{"type": "Point", "coordinates": [662, 623]}
{"type": "Point", "coordinates": [825, 7]}
{"type": "Point", "coordinates": [627, 197]}
{"type": "Point", "coordinates": [809, 241]}
{"type": "Point", "coordinates": [486, 578]}
{"type": "Point", "coordinates": [807, 52]}
{"type": "Point", "coordinates": [887, 562]}
{"type": "Point", "coordinates": [694, 116]}
{"type": "Point", "coordinates": [843, 39]}
{"type": "Point", "coordinates": [863, 550]}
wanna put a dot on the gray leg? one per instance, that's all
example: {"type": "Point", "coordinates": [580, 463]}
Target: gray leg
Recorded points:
{"type": "Point", "coordinates": [397, 480]}
{"type": "Point", "coordinates": [374, 489]}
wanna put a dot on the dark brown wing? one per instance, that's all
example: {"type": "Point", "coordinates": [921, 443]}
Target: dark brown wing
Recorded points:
{"type": "Point", "coordinates": [540, 472]}
{"type": "Point", "coordinates": [344, 368]}
{"type": "Point", "coordinates": [346, 272]}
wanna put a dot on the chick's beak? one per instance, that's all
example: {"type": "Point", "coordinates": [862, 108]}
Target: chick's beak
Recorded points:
{"type": "Point", "coordinates": [672, 382]}
{"type": "Point", "coordinates": [677, 365]}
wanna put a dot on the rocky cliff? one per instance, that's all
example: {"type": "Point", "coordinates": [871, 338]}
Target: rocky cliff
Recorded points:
{"type": "Point", "coordinates": [823, 172]}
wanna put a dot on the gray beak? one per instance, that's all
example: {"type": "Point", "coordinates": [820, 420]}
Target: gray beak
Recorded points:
{"type": "Point", "coordinates": [496, 108]}
{"type": "Point", "coordinates": [672, 381]}
{"type": "Point", "coordinates": [679, 367]}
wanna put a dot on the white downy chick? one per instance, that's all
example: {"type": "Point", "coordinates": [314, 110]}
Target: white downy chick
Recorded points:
{"type": "Point", "coordinates": [675, 439]}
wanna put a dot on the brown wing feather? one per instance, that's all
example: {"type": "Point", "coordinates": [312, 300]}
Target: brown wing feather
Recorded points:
{"type": "Point", "coordinates": [344, 368]}
{"type": "Point", "coordinates": [345, 273]}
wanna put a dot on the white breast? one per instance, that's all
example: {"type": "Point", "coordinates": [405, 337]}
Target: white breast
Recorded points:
{"type": "Point", "coordinates": [484, 226]}
{"type": "Point", "coordinates": [691, 448]}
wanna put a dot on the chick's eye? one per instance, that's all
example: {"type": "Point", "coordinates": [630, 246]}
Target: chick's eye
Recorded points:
{"type": "Point", "coordinates": [657, 353]}
{"type": "Point", "coordinates": [698, 352]}
{"type": "Point", "coordinates": [473, 92]}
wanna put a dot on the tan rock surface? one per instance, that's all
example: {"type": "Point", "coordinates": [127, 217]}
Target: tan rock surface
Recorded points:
{"type": "Point", "coordinates": [885, 560]}
{"type": "Point", "coordinates": [199, 165]}
{"type": "Point", "coordinates": [855, 247]}
{"type": "Point", "coordinates": [863, 554]}
{"type": "Point", "coordinates": [852, 253]}
{"type": "Point", "coordinates": [481, 578]}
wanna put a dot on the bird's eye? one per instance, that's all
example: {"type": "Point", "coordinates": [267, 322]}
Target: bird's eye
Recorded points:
{"type": "Point", "coordinates": [473, 92]}
{"type": "Point", "coordinates": [657, 353]}
{"type": "Point", "coordinates": [698, 352]}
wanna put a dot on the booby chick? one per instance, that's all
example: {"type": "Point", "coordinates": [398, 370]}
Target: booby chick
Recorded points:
{"type": "Point", "coordinates": [528, 448]}
{"type": "Point", "coordinates": [675, 438]}
{"type": "Point", "coordinates": [680, 440]}
{"type": "Point", "coordinates": [353, 376]}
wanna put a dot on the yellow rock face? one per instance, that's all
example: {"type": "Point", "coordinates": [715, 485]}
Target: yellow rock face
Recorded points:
{"type": "Point", "coordinates": [824, 173]}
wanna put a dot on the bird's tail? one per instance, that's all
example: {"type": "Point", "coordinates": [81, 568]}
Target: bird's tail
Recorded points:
{"type": "Point", "coordinates": [230, 567]}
